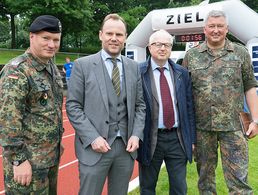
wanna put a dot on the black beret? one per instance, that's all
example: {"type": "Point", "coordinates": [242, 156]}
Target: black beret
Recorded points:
{"type": "Point", "coordinates": [46, 23]}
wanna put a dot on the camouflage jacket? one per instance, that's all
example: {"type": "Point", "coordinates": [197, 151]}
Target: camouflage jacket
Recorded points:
{"type": "Point", "coordinates": [31, 111]}
{"type": "Point", "coordinates": [219, 82]}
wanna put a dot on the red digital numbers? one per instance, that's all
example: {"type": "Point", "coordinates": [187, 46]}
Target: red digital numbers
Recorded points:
{"type": "Point", "coordinates": [190, 38]}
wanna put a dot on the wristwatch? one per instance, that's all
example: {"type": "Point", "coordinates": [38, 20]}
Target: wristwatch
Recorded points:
{"type": "Point", "coordinates": [17, 162]}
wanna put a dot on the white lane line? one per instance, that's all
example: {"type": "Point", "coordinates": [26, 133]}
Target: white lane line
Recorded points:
{"type": "Point", "coordinates": [65, 165]}
{"type": "Point", "coordinates": [133, 184]}
{"type": "Point", "coordinates": [70, 135]}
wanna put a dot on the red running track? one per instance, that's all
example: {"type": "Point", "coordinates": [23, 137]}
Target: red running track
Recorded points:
{"type": "Point", "coordinates": [68, 179]}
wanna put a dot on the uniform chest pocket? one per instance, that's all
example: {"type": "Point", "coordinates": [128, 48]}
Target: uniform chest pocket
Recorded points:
{"type": "Point", "coordinates": [229, 73]}
{"type": "Point", "coordinates": [233, 63]}
{"type": "Point", "coordinates": [200, 75]}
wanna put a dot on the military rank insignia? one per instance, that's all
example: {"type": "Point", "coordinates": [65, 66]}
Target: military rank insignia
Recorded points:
{"type": "Point", "coordinates": [12, 76]}
{"type": "Point", "coordinates": [43, 99]}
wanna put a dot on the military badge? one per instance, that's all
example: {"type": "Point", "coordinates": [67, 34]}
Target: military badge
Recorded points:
{"type": "Point", "coordinates": [43, 99]}
{"type": "Point", "coordinates": [60, 26]}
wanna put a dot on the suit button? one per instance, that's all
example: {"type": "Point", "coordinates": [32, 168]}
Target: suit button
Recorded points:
{"type": "Point", "coordinates": [118, 113]}
{"type": "Point", "coordinates": [118, 104]}
{"type": "Point", "coordinates": [107, 122]}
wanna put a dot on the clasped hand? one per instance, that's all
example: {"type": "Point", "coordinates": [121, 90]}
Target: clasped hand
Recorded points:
{"type": "Point", "coordinates": [22, 174]}
{"type": "Point", "coordinates": [252, 130]}
{"type": "Point", "coordinates": [101, 145]}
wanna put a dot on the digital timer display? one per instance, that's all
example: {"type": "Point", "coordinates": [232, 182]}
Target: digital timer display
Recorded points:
{"type": "Point", "coordinates": [190, 37]}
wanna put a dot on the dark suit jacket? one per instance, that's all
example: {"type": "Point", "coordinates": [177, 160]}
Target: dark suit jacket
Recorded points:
{"type": "Point", "coordinates": [87, 104]}
{"type": "Point", "coordinates": [185, 109]}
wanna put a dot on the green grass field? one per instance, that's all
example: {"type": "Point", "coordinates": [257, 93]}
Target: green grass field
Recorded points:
{"type": "Point", "coordinates": [6, 55]}
{"type": "Point", "coordinates": [192, 177]}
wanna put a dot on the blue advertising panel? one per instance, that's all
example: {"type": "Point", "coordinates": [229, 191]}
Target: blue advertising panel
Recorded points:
{"type": "Point", "coordinates": [255, 51]}
{"type": "Point", "coordinates": [255, 64]}
{"type": "Point", "coordinates": [130, 54]}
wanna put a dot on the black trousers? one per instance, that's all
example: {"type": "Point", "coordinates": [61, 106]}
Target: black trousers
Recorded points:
{"type": "Point", "coordinates": [169, 150]}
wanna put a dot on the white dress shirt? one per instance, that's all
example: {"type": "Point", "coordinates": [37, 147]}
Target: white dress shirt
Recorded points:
{"type": "Point", "coordinates": [109, 65]}
{"type": "Point", "coordinates": [156, 74]}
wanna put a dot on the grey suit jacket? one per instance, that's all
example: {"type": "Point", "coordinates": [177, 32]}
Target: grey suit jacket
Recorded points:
{"type": "Point", "coordinates": [87, 104]}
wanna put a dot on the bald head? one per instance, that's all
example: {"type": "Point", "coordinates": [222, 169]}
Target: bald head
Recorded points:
{"type": "Point", "coordinates": [160, 33]}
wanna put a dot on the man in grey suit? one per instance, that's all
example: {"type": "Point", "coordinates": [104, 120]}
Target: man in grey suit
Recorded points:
{"type": "Point", "coordinates": [106, 108]}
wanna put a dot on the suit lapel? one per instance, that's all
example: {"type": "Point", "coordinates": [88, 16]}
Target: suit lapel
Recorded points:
{"type": "Point", "coordinates": [177, 78]}
{"type": "Point", "coordinates": [128, 84]}
{"type": "Point", "coordinates": [100, 77]}
{"type": "Point", "coordinates": [153, 86]}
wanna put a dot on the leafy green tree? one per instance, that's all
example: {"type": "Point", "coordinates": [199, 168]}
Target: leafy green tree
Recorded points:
{"type": "Point", "coordinates": [10, 9]}
{"type": "Point", "coordinates": [252, 4]}
{"type": "Point", "coordinates": [81, 19]}
{"type": "Point", "coordinates": [22, 34]}
{"type": "Point", "coordinates": [75, 15]}
{"type": "Point", "coordinates": [132, 11]}
{"type": "Point", "coordinates": [133, 17]}
{"type": "Point", "coordinates": [4, 32]}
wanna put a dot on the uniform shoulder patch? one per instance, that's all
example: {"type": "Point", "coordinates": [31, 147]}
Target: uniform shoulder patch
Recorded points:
{"type": "Point", "coordinates": [17, 61]}
{"type": "Point", "coordinates": [240, 45]}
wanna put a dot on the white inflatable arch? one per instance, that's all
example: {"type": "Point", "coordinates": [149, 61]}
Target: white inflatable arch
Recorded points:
{"type": "Point", "coordinates": [189, 20]}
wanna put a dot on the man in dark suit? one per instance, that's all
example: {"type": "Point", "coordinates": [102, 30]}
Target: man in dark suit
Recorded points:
{"type": "Point", "coordinates": [169, 133]}
{"type": "Point", "coordinates": [106, 108]}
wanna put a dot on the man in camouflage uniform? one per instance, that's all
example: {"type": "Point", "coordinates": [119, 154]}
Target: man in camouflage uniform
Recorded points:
{"type": "Point", "coordinates": [31, 113]}
{"type": "Point", "coordinates": [222, 75]}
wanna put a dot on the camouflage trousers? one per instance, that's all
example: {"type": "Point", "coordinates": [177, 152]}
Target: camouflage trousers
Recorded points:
{"type": "Point", "coordinates": [44, 181]}
{"type": "Point", "coordinates": [234, 157]}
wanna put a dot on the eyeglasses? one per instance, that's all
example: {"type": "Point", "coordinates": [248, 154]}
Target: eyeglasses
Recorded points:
{"type": "Point", "coordinates": [159, 45]}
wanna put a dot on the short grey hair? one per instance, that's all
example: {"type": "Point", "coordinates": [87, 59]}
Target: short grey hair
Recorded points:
{"type": "Point", "coordinates": [215, 14]}
{"type": "Point", "coordinates": [160, 33]}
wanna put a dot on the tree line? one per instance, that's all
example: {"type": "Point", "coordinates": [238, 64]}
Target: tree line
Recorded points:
{"type": "Point", "coordinates": [81, 19]}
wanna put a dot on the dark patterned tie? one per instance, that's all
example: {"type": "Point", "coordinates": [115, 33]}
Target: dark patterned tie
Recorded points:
{"type": "Point", "coordinates": [168, 110]}
{"type": "Point", "coordinates": [115, 77]}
